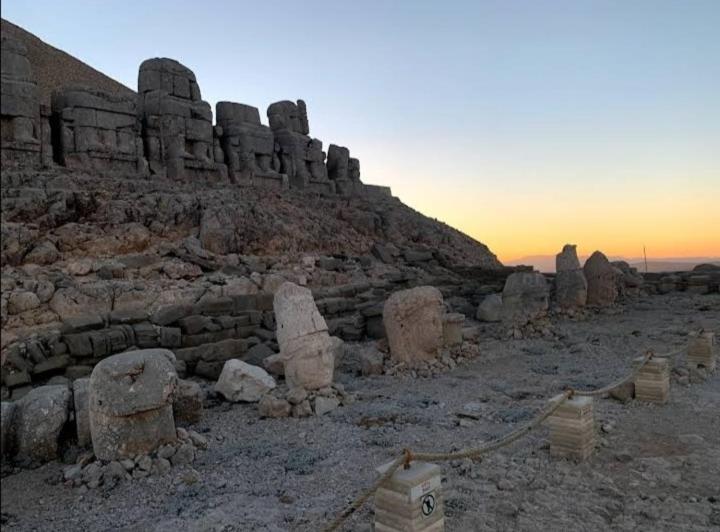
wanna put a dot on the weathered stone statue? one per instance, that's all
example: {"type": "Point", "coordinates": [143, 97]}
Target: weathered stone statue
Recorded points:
{"type": "Point", "coordinates": [525, 297]}
{"type": "Point", "coordinates": [343, 170]}
{"type": "Point", "coordinates": [176, 123]}
{"type": "Point", "coordinates": [570, 283]}
{"type": "Point", "coordinates": [97, 130]}
{"type": "Point", "coordinates": [24, 130]}
{"type": "Point", "coordinates": [299, 156]}
{"type": "Point", "coordinates": [601, 280]}
{"type": "Point", "coordinates": [248, 145]}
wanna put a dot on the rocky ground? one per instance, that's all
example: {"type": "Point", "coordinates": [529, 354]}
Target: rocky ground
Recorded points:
{"type": "Point", "coordinates": [656, 467]}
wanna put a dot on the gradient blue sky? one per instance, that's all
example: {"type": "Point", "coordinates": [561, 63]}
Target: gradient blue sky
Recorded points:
{"type": "Point", "coordinates": [524, 123]}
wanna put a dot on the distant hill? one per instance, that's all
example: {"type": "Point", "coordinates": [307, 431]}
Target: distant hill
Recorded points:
{"type": "Point", "coordinates": [54, 68]}
{"type": "Point", "coordinates": [546, 263]}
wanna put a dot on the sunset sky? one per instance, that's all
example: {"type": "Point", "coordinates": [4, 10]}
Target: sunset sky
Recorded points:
{"type": "Point", "coordinates": [526, 124]}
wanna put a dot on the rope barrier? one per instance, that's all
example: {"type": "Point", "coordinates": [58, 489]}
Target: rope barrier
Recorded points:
{"type": "Point", "coordinates": [409, 456]}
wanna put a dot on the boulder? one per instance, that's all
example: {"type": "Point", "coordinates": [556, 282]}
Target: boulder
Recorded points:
{"type": "Point", "coordinates": [187, 402]}
{"type": "Point", "coordinates": [525, 297]}
{"type": "Point", "coordinates": [242, 382]}
{"type": "Point", "coordinates": [601, 280]}
{"type": "Point", "coordinates": [567, 259]}
{"type": "Point", "coordinates": [130, 401]}
{"type": "Point", "coordinates": [40, 417]}
{"type": "Point", "coordinates": [371, 362]}
{"type": "Point", "coordinates": [570, 288]}
{"type": "Point", "coordinates": [413, 323]}
{"type": "Point", "coordinates": [82, 411]}
{"type": "Point", "coordinates": [490, 309]}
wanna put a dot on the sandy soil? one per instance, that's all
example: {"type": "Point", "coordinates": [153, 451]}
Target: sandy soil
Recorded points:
{"type": "Point", "coordinates": [656, 467]}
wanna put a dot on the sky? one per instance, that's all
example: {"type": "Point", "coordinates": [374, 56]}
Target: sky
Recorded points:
{"type": "Point", "coordinates": [526, 124]}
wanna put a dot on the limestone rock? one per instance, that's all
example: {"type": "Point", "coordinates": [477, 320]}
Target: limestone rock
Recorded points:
{"type": "Point", "coordinates": [371, 362]}
{"type": "Point", "coordinates": [601, 279]}
{"type": "Point", "coordinates": [525, 297]}
{"type": "Point", "coordinates": [413, 323]}
{"type": "Point", "coordinates": [323, 405]}
{"type": "Point", "coordinates": [490, 309]}
{"type": "Point", "coordinates": [567, 259]}
{"type": "Point", "coordinates": [131, 403]}
{"type": "Point", "coordinates": [242, 382]}
{"type": "Point", "coordinates": [19, 302]}
{"type": "Point", "coordinates": [39, 419]}
{"type": "Point", "coordinates": [275, 364]}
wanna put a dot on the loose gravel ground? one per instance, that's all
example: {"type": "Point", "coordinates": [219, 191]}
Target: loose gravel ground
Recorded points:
{"type": "Point", "coordinates": [656, 466]}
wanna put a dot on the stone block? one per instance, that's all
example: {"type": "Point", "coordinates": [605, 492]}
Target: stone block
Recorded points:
{"type": "Point", "coordinates": [572, 428]}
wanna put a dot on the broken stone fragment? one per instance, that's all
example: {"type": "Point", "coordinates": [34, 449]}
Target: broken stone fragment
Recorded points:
{"type": "Point", "coordinates": [40, 417]}
{"type": "Point", "coordinates": [271, 406]}
{"type": "Point", "coordinates": [241, 382]}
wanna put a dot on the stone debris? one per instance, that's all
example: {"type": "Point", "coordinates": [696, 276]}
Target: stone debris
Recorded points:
{"type": "Point", "coordinates": [90, 473]}
{"type": "Point", "coordinates": [242, 382]}
{"type": "Point", "coordinates": [299, 402]}
{"type": "Point", "coordinates": [130, 399]}
{"type": "Point", "coordinates": [525, 298]}
{"type": "Point", "coordinates": [701, 351]}
{"type": "Point", "coordinates": [414, 326]}
{"type": "Point", "coordinates": [572, 428]}
{"type": "Point", "coordinates": [652, 383]}
{"type": "Point", "coordinates": [411, 499]}
{"type": "Point", "coordinates": [601, 279]}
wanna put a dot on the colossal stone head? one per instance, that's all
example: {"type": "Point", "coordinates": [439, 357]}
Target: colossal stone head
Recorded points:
{"type": "Point", "coordinates": [288, 115]}
{"type": "Point", "coordinates": [169, 76]}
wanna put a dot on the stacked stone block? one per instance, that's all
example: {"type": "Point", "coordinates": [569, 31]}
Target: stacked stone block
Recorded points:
{"type": "Point", "coordinates": [572, 428]}
{"type": "Point", "coordinates": [176, 123]}
{"type": "Point", "coordinates": [249, 146]}
{"type": "Point", "coordinates": [300, 157]}
{"type": "Point", "coordinates": [97, 130]}
{"type": "Point", "coordinates": [410, 499]}
{"type": "Point", "coordinates": [652, 383]}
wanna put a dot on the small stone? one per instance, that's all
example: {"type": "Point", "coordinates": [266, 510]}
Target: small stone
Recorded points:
{"type": "Point", "coordinates": [162, 465]}
{"type": "Point", "coordinates": [271, 406]}
{"type": "Point", "coordinates": [198, 440]}
{"type": "Point", "coordinates": [182, 434]}
{"type": "Point", "coordinates": [128, 464]}
{"type": "Point", "coordinates": [73, 472]}
{"type": "Point", "coordinates": [323, 405]}
{"type": "Point", "coordinates": [144, 462]}
{"type": "Point", "coordinates": [504, 485]}
{"type": "Point", "coordinates": [302, 409]}
{"type": "Point", "coordinates": [184, 455]}
{"type": "Point", "coordinates": [166, 451]}
{"type": "Point", "coordinates": [296, 395]}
